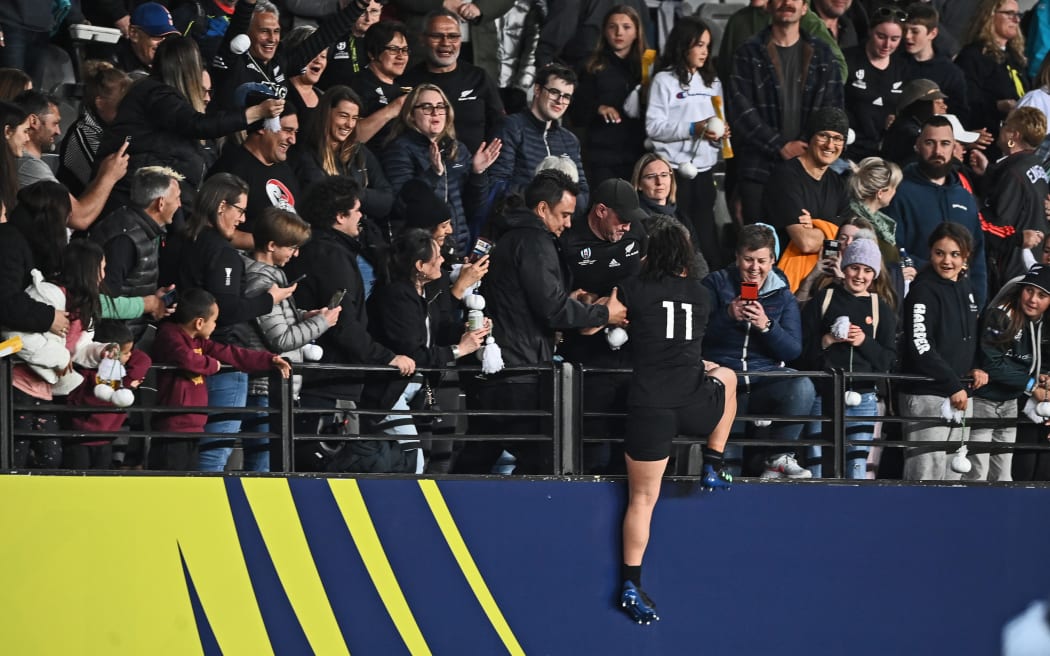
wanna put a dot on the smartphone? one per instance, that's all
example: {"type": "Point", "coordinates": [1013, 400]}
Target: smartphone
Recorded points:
{"type": "Point", "coordinates": [831, 248]}
{"type": "Point", "coordinates": [749, 291]}
{"type": "Point", "coordinates": [170, 298]}
{"type": "Point", "coordinates": [296, 281]}
{"type": "Point", "coordinates": [336, 299]}
{"type": "Point", "coordinates": [481, 248]}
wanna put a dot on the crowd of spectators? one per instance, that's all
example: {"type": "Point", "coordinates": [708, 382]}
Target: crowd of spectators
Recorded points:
{"type": "Point", "coordinates": [261, 183]}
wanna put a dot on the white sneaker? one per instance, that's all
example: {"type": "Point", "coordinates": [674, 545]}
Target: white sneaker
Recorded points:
{"type": "Point", "coordinates": [785, 465]}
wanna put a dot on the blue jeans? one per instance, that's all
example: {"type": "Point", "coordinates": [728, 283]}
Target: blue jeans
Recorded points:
{"type": "Point", "coordinates": [224, 390]}
{"type": "Point", "coordinates": [856, 454]}
{"type": "Point", "coordinates": [257, 449]}
{"type": "Point", "coordinates": [771, 396]}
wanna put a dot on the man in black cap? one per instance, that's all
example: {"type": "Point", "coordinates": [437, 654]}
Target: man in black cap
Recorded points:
{"type": "Point", "coordinates": [603, 251]}
{"type": "Point", "coordinates": [803, 189]}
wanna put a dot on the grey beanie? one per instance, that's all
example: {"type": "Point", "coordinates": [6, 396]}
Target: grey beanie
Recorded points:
{"type": "Point", "coordinates": [829, 119]}
{"type": "Point", "coordinates": [863, 251]}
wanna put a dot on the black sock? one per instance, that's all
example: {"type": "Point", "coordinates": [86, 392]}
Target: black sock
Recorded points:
{"type": "Point", "coordinates": [712, 457]}
{"type": "Point", "coordinates": [632, 573]}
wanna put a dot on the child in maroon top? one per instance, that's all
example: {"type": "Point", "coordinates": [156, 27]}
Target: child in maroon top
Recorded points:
{"type": "Point", "coordinates": [97, 452]}
{"type": "Point", "coordinates": [184, 342]}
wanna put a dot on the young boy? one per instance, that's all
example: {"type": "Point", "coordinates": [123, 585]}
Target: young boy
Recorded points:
{"type": "Point", "coordinates": [97, 453]}
{"type": "Point", "coordinates": [185, 342]}
{"type": "Point", "coordinates": [920, 31]}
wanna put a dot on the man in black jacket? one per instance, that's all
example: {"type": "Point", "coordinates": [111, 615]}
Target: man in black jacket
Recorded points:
{"type": "Point", "coordinates": [264, 61]}
{"type": "Point", "coordinates": [329, 262]}
{"type": "Point", "coordinates": [527, 291]}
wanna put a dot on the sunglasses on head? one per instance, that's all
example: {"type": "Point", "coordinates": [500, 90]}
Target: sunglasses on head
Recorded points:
{"type": "Point", "coordinates": [883, 14]}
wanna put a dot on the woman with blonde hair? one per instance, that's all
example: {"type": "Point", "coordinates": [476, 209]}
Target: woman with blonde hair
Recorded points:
{"type": "Point", "coordinates": [654, 180]}
{"type": "Point", "coordinates": [993, 62]}
{"type": "Point", "coordinates": [423, 145]}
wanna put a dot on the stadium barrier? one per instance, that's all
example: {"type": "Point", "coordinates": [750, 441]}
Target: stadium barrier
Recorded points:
{"type": "Point", "coordinates": [563, 420]}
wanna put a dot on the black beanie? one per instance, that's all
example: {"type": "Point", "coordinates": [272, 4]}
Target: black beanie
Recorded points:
{"type": "Point", "coordinates": [419, 207]}
{"type": "Point", "coordinates": [828, 119]}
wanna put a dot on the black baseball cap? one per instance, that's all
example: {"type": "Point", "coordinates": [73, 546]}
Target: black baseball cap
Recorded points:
{"type": "Point", "coordinates": [619, 196]}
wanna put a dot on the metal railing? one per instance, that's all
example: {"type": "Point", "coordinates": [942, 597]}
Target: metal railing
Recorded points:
{"type": "Point", "coordinates": [566, 436]}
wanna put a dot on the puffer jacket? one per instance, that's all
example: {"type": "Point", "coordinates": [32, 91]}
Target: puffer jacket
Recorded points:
{"type": "Point", "coordinates": [526, 141]}
{"type": "Point", "coordinates": [408, 156]}
{"type": "Point", "coordinates": [741, 346]}
{"type": "Point", "coordinates": [506, 47]}
{"type": "Point", "coordinates": [283, 330]}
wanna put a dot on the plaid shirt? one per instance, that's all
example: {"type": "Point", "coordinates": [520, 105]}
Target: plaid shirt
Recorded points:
{"type": "Point", "coordinates": [754, 98]}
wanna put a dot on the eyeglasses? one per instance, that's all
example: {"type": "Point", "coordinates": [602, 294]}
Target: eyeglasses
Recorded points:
{"type": "Point", "coordinates": [891, 13]}
{"type": "Point", "coordinates": [653, 177]}
{"type": "Point", "coordinates": [242, 210]}
{"type": "Point", "coordinates": [395, 50]}
{"type": "Point", "coordinates": [558, 96]}
{"type": "Point", "coordinates": [430, 109]}
{"type": "Point", "coordinates": [444, 36]}
{"type": "Point", "coordinates": [1014, 16]}
{"type": "Point", "coordinates": [828, 137]}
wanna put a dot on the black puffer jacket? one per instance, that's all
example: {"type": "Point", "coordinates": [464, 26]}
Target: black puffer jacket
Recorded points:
{"type": "Point", "coordinates": [527, 292]}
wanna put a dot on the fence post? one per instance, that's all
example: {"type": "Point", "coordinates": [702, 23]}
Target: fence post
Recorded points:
{"type": "Point", "coordinates": [838, 421]}
{"type": "Point", "coordinates": [287, 425]}
{"type": "Point", "coordinates": [566, 407]}
{"type": "Point", "coordinates": [7, 417]}
{"type": "Point", "coordinates": [556, 428]}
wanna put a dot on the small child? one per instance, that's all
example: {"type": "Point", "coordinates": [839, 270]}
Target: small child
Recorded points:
{"type": "Point", "coordinates": [97, 453]}
{"type": "Point", "coordinates": [185, 342]}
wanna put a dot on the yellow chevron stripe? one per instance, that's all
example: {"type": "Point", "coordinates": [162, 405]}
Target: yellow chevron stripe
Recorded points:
{"type": "Point", "coordinates": [278, 520]}
{"type": "Point", "coordinates": [448, 527]}
{"type": "Point", "coordinates": [347, 495]}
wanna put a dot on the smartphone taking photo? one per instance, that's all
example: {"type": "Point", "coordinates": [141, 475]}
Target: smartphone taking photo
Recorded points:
{"type": "Point", "coordinates": [336, 299]}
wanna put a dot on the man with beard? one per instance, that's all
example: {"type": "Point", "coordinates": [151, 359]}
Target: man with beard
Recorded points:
{"type": "Point", "coordinates": [932, 193]}
{"type": "Point", "coordinates": [472, 92]}
{"type": "Point", "coordinates": [833, 13]}
{"type": "Point", "coordinates": [781, 76]}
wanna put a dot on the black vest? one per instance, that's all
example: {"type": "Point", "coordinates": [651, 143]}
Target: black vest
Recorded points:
{"type": "Point", "coordinates": [145, 233]}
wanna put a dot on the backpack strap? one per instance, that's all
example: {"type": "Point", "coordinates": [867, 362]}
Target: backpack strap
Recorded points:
{"type": "Point", "coordinates": [874, 308]}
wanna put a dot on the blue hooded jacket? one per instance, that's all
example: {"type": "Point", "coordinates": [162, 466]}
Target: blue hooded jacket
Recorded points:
{"type": "Point", "coordinates": [920, 205]}
{"type": "Point", "coordinates": [741, 346]}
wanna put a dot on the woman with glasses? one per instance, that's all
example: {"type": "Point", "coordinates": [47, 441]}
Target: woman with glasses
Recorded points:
{"type": "Point", "coordinates": [613, 139]}
{"type": "Point", "coordinates": [386, 43]}
{"type": "Point", "coordinates": [654, 180]}
{"type": "Point", "coordinates": [876, 77]}
{"type": "Point", "coordinates": [994, 64]}
{"type": "Point", "coordinates": [681, 108]}
{"type": "Point", "coordinates": [204, 258]}
{"type": "Point", "coordinates": [423, 145]}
